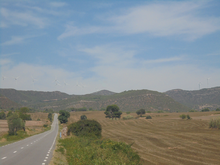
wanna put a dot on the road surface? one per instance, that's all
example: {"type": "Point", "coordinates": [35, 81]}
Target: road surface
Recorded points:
{"type": "Point", "coordinates": [35, 150]}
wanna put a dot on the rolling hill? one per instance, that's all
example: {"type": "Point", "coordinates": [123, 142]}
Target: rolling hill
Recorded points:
{"type": "Point", "coordinates": [197, 99]}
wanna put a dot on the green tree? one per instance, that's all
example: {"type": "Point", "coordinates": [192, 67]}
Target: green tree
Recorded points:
{"type": "Point", "coordinates": [183, 116]}
{"type": "Point", "coordinates": [23, 115]}
{"type": "Point", "coordinates": [63, 117]}
{"type": "Point", "coordinates": [140, 112]}
{"type": "Point", "coordinates": [50, 117]}
{"type": "Point", "coordinates": [83, 117]}
{"type": "Point", "coordinates": [205, 110]}
{"type": "Point", "coordinates": [188, 117]}
{"type": "Point", "coordinates": [218, 109]}
{"type": "Point", "coordinates": [9, 113]}
{"type": "Point", "coordinates": [14, 124]}
{"type": "Point", "coordinates": [2, 115]}
{"type": "Point", "coordinates": [112, 111]}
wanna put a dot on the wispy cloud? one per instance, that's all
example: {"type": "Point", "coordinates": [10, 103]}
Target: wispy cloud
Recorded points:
{"type": "Point", "coordinates": [58, 4]}
{"type": "Point", "coordinates": [163, 60]}
{"type": "Point", "coordinates": [164, 19]}
{"type": "Point", "coordinates": [8, 54]}
{"type": "Point", "coordinates": [5, 61]}
{"type": "Point", "coordinates": [10, 17]}
{"type": "Point", "coordinates": [72, 30]}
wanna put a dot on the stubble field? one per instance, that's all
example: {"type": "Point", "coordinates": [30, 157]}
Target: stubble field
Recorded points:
{"type": "Point", "coordinates": [164, 139]}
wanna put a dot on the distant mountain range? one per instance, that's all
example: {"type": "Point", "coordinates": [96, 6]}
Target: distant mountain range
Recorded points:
{"type": "Point", "coordinates": [170, 101]}
{"type": "Point", "coordinates": [197, 99]}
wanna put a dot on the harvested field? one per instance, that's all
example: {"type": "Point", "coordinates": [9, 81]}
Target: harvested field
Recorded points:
{"type": "Point", "coordinates": [165, 139]}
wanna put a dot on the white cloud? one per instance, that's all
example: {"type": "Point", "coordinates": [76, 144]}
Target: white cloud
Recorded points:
{"type": "Point", "coordinates": [163, 60]}
{"type": "Point", "coordinates": [166, 19]}
{"type": "Point", "coordinates": [14, 40]}
{"type": "Point", "coordinates": [58, 4]}
{"type": "Point", "coordinates": [5, 61]}
{"type": "Point", "coordinates": [10, 17]}
{"type": "Point", "coordinates": [72, 30]}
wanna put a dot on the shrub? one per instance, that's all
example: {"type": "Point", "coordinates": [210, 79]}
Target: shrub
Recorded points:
{"type": "Point", "coordinates": [148, 117]}
{"type": "Point", "coordinates": [140, 112]}
{"type": "Point", "coordinates": [128, 117]}
{"type": "Point", "coordinates": [205, 110]}
{"type": "Point", "coordinates": [38, 119]}
{"type": "Point", "coordinates": [83, 117]}
{"type": "Point", "coordinates": [148, 111]}
{"type": "Point", "coordinates": [63, 117]}
{"type": "Point", "coordinates": [2, 115]}
{"type": "Point", "coordinates": [192, 110]}
{"type": "Point", "coordinates": [183, 116]}
{"type": "Point", "coordinates": [218, 109]}
{"type": "Point", "coordinates": [89, 128]}
{"type": "Point", "coordinates": [128, 112]}
{"type": "Point", "coordinates": [45, 125]}
{"type": "Point", "coordinates": [214, 123]}
{"type": "Point", "coordinates": [188, 117]}
{"type": "Point", "coordinates": [160, 111]}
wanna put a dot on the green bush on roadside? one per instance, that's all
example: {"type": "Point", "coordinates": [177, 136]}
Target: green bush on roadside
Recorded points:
{"type": "Point", "coordinates": [84, 150]}
{"type": "Point", "coordinates": [89, 128]}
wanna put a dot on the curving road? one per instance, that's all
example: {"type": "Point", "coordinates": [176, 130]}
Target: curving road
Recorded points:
{"type": "Point", "coordinates": [35, 150]}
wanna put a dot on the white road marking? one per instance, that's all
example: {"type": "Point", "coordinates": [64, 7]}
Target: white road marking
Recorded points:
{"type": "Point", "coordinates": [22, 147]}
{"type": "Point", "coordinates": [46, 157]}
{"type": "Point", "coordinates": [4, 157]}
{"type": "Point", "coordinates": [43, 163]}
{"type": "Point", "coordinates": [27, 145]}
{"type": "Point", "coordinates": [45, 160]}
{"type": "Point", "coordinates": [14, 152]}
{"type": "Point", "coordinates": [47, 154]}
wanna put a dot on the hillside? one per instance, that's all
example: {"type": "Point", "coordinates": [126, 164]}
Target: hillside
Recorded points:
{"type": "Point", "coordinates": [30, 98]}
{"type": "Point", "coordinates": [6, 103]}
{"type": "Point", "coordinates": [197, 99]}
{"type": "Point", "coordinates": [127, 101]}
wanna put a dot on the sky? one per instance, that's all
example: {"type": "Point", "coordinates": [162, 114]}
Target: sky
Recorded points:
{"type": "Point", "coordinates": [80, 47]}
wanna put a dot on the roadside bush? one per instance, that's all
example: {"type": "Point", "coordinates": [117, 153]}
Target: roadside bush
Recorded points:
{"type": "Point", "coordinates": [63, 117]}
{"type": "Point", "coordinates": [90, 128]}
{"type": "Point", "coordinates": [128, 117]}
{"type": "Point", "coordinates": [45, 125]}
{"type": "Point", "coordinates": [183, 116]}
{"type": "Point", "coordinates": [148, 117]}
{"type": "Point", "coordinates": [83, 117]}
{"type": "Point", "coordinates": [86, 151]}
{"type": "Point", "coordinates": [214, 123]}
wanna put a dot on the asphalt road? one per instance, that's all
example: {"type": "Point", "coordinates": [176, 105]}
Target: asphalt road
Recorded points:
{"type": "Point", "coordinates": [35, 150]}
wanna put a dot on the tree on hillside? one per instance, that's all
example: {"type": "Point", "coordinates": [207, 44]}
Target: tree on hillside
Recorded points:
{"type": "Point", "coordinates": [83, 117]}
{"type": "Point", "coordinates": [2, 115]}
{"type": "Point", "coordinates": [140, 112]}
{"type": "Point", "coordinates": [112, 111]}
{"type": "Point", "coordinates": [63, 117]}
{"type": "Point", "coordinates": [14, 124]}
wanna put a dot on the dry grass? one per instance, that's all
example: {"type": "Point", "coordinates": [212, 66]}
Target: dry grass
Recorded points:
{"type": "Point", "coordinates": [164, 139]}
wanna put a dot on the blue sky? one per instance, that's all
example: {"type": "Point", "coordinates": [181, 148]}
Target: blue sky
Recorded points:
{"type": "Point", "coordinates": [79, 47]}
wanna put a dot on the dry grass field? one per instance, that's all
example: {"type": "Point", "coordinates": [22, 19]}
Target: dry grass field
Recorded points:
{"type": "Point", "coordinates": [33, 124]}
{"type": "Point", "coordinates": [164, 139]}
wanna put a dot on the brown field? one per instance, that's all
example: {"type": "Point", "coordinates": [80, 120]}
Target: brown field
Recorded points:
{"type": "Point", "coordinates": [29, 124]}
{"type": "Point", "coordinates": [165, 139]}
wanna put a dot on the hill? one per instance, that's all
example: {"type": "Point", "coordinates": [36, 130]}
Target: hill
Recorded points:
{"type": "Point", "coordinates": [31, 98]}
{"type": "Point", "coordinates": [103, 93]}
{"type": "Point", "coordinates": [127, 101]}
{"type": "Point", "coordinates": [197, 99]}
{"type": "Point", "coordinates": [6, 103]}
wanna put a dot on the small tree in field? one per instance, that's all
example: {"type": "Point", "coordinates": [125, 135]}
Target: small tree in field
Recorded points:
{"type": "Point", "coordinates": [14, 124]}
{"type": "Point", "coordinates": [183, 116]}
{"type": "Point", "coordinates": [2, 115]}
{"type": "Point", "coordinates": [112, 111]}
{"type": "Point", "coordinates": [63, 117]}
{"type": "Point", "coordinates": [188, 117]}
{"type": "Point", "coordinates": [140, 112]}
{"type": "Point", "coordinates": [83, 117]}
{"type": "Point", "coordinates": [23, 115]}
